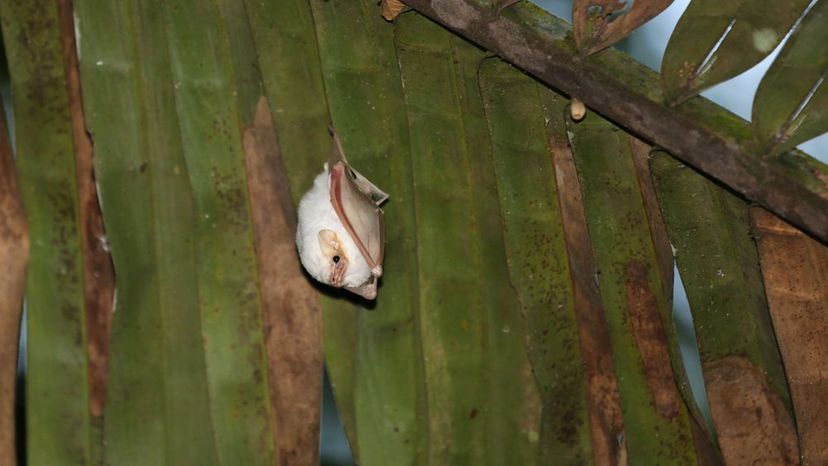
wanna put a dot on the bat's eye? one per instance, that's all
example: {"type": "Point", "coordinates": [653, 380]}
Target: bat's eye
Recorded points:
{"type": "Point", "coordinates": [336, 259]}
{"type": "Point", "coordinates": [352, 174]}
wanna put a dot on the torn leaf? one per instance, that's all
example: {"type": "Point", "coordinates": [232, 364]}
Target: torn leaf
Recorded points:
{"type": "Point", "coordinates": [597, 24]}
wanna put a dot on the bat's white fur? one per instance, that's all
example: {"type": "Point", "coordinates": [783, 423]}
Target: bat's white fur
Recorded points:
{"type": "Point", "coordinates": [316, 213]}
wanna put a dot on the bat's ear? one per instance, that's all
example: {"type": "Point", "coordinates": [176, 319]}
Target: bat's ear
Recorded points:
{"type": "Point", "coordinates": [329, 242]}
{"type": "Point", "coordinates": [367, 291]}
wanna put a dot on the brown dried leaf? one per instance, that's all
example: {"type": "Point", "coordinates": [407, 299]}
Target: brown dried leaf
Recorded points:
{"type": "Point", "coordinates": [751, 419]}
{"type": "Point", "coordinates": [604, 401]}
{"type": "Point", "coordinates": [14, 254]}
{"type": "Point", "coordinates": [795, 271]}
{"type": "Point", "coordinates": [650, 338]}
{"type": "Point", "coordinates": [99, 274]}
{"type": "Point", "coordinates": [597, 24]}
{"type": "Point", "coordinates": [705, 448]}
{"type": "Point", "coordinates": [392, 8]}
{"type": "Point", "coordinates": [291, 306]}
{"type": "Point", "coordinates": [663, 250]}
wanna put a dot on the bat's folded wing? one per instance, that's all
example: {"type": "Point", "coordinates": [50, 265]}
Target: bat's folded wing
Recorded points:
{"type": "Point", "coordinates": [337, 155]}
{"type": "Point", "coordinates": [376, 195]}
{"type": "Point", "coordinates": [359, 212]}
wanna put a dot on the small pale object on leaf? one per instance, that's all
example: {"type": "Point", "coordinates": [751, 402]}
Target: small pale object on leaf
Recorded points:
{"type": "Point", "coordinates": [340, 233]}
{"type": "Point", "coordinates": [577, 110]}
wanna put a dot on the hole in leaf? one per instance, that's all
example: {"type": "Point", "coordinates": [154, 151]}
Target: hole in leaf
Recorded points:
{"type": "Point", "coordinates": [689, 348]}
{"type": "Point", "coordinates": [335, 450]}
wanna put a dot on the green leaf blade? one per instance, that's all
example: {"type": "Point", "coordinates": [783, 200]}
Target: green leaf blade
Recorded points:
{"type": "Point", "coordinates": [449, 324]}
{"type": "Point", "coordinates": [58, 417]}
{"type": "Point", "coordinates": [513, 408]}
{"type": "Point", "coordinates": [715, 41]}
{"type": "Point", "coordinates": [657, 425]}
{"type": "Point", "coordinates": [517, 109]}
{"type": "Point", "coordinates": [373, 356]}
{"type": "Point", "coordinates": [791, 104]}
{"type": "Point", "coordinates": [230, 305]}
{"type": "Point", "coordinates": [709, 229]}
{"type": "Point", "coordinates": [145, 193]}
{"type": "Point", "coordinates": [289, 61]}
{"type": "Point", "coordinates": [481, 395]}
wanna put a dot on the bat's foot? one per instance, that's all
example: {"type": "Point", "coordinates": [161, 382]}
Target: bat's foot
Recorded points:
{"type": "Point", "coordinates": [377, 271]}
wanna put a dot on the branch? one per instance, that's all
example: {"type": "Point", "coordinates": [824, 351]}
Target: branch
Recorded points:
{"type": "Point", "coordinates": [698, 132]}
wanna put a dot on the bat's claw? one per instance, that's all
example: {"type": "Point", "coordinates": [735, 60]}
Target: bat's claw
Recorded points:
{"type": "Point", "coordinates": [377, 271]}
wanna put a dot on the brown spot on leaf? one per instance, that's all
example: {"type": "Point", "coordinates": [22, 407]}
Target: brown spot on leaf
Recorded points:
{"type": "Point", "coordinates": [291, 306]}
{"type": "Point", "coordinates": [795, 271]}
{"type": "Point", "coordinates": [658, 231]}
{"type": "Point", "coordinates": [753, 426]}
{"type": "Point", "coordinates": [707, 453]}
{"type": "Point", "coordinates": [14, 254]}
{"type": "Point", "coordinates": [651, 340]}
{"type": "Point", "coordinates": [604, 401]}
{"type": "Point", "coordinates": [99, 275]}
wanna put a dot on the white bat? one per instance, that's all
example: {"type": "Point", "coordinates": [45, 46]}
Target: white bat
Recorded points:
{"type": "Point", "coordinates": [340, 233]}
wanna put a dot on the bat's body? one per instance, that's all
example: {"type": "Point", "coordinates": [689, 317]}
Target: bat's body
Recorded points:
{"type": "Point", "coordinates": [340, 231]}
{"type": "Point", "coordinates": [316, 214]}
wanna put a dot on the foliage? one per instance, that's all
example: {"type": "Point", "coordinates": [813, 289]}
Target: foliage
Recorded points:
{"type": "Point", "coordinates": [524, 313]}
